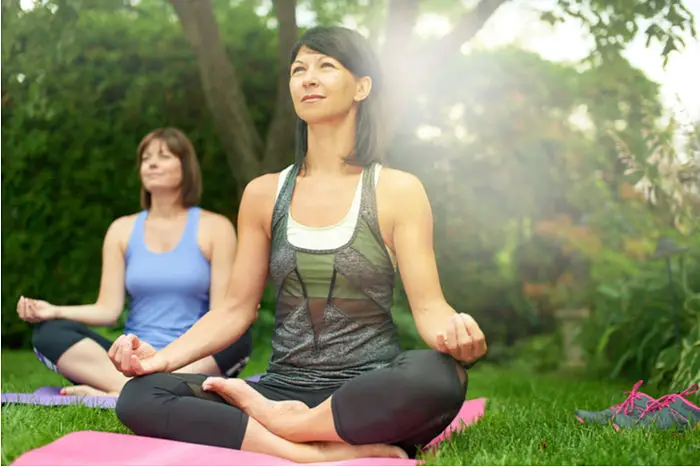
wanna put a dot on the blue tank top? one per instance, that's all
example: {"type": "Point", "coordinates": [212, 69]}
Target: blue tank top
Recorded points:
{"type": "Point", "coordinates": [168, 291]}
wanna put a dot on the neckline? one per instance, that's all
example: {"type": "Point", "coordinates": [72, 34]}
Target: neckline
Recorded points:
{"type": "Point", "coordinates": [291, 184]}
{"type": "Point", "coordinates": [177, 244]}
{"type": "Point", "coordinates": [354, 208]}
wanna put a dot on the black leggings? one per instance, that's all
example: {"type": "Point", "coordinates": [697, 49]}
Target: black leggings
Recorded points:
{"type": "Point", "coordinates": [51, 339]}
{"type": "Point", "coordinates": [407, 404]}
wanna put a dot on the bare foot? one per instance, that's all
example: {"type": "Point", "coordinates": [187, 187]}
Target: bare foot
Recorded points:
{"type": "Point", "coordinates": [283, 418]}
{"type": "Point", "coordinates": [85, 390]}
{"type": "Point", "coordinates": [332, 452]}
{"type": "Point", "coordinates": [279, 417]}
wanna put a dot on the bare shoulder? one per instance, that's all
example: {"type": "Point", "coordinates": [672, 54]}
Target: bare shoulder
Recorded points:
{"type": "Point", "coordinates": [262, 188]}
{"type": "Point", "coordinates": [260, 195]}
{"type": "Point", "coordinates": [398, 183]}
{"type": "Point", "coordinates": [120, 230]}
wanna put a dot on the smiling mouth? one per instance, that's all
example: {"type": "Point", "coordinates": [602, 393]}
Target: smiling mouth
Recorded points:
{"type": "Point", "coordinates": [312, 98]}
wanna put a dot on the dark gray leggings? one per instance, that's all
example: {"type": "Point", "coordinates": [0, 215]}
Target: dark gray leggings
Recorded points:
{"type": "Point", "coordinates": [51, 339]}
{"type": "Point", "coordinates": [406, 404]}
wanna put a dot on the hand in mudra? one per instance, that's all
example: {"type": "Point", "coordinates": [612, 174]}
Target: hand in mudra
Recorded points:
{"type": "Point", "coordinates": [134, 357]}
{"type": "Point", "coordinates": [462, 338]}
{"type": "Point", "coordinates": [35, 311]}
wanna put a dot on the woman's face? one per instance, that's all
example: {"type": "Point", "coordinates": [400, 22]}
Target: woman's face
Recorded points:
{"type": "Point", "coordinates": [322, 89]}
{"type": "Point", "coordinates": [160, 168]}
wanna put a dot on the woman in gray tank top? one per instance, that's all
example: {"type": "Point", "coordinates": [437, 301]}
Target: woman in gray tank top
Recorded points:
{"type": "Point", "coordinates": [330, 235]}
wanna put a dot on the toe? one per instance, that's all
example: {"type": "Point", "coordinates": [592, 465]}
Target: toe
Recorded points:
{"type": "Point", "coordinates": [213, 383]}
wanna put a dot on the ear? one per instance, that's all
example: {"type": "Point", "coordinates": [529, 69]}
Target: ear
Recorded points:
{"type": "Point", "coordinates": [363, 88]}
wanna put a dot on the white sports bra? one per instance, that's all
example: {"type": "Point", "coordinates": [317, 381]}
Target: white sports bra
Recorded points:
{"type": "Point", "coordinates": [328, 237]}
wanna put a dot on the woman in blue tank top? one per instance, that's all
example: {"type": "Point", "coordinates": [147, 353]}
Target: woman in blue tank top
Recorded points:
{"type": "Point", "coordinates": [173, 259]}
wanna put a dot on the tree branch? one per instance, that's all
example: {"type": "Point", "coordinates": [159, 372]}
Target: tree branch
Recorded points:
{"type": "Point", "coordinates": [222, 90]}
{"type": "Point", "coordinates": [468, 26]}
{"type": "Point", "coordinates": [400, 53]}
{"type": "Point", "coordinates": [280, 136]}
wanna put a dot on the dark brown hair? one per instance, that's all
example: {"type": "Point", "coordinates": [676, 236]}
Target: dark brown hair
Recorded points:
{"type": "Point", "coordinates": [180, 145]}
{"type": "Point", "coordinates": [355, 53]}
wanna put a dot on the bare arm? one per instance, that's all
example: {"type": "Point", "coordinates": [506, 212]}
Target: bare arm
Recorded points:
{"type": "Point", "coordinates": [223, 253]}
{"type": "Point", "coordinates": [437, 322]}
{"type": "Point", "coordinates": [110, 301]}
{"type": "Point", "coordinates": [413, 242]}
{"type": "Point", "coordinates": [224, 324]}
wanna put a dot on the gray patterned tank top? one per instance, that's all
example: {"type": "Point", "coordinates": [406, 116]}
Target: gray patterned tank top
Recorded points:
{"type": "Point", "coordinates": [333, 317]}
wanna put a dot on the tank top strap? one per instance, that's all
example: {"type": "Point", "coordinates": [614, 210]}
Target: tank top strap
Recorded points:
{"type": "Point", "coordinates": [136, 238]}
{"type": "Point", "coordinates": [368, 202]}
{"type": "Point", "coordinates": [284, 200]}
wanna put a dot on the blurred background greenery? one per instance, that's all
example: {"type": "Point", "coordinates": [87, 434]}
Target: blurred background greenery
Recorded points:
{"type": "Point", "coordinates": [553, 183]}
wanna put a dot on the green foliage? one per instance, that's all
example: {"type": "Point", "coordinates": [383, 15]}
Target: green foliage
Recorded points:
{"type": "Point", "coordinates": [614, 24]}
{"type": "Point", "coordinates": [79, 92]}
{"type": "Point", "coordinates": [507, 164]}
{"type": "Point", "coordinates": [632, 331]}
{"type": "Point", "coordinates": [539, 353]}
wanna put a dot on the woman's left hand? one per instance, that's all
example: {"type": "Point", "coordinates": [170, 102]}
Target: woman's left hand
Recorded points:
{"type": "Point", "coordinates": [462, 338]}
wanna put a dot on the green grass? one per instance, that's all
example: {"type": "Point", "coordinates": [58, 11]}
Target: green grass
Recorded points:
{"type": "Point", "coordinates": [529, 421]}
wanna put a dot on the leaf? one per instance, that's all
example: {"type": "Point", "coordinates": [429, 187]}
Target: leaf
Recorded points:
{"type": "Point", "coordinates": [633, 177]}
{"type": "Point", "coordinates": [603, 343]}
{"type": "Point", "coordinates": [609, 291]}
{"type": "Point", "coordinates": [688, 371]}
{"type": "Point", "coordinates": [627, 356]}
{"type": "Point", "coordinates": [668, 358]}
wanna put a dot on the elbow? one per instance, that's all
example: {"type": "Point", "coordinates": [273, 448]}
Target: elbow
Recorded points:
{"type": "Point", "coordinates": [252, 315]}
{"type": "Point", "coordinates": [109, 321]}
{"type": "Point", "coordinates": [237, 310]}
{"type": "Point", "coordinates": [109, 314]}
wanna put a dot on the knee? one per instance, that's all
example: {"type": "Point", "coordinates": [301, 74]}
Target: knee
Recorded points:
{"type": "Point", "coordinates": [134, 400]}
{"type": "Point", "coordinates": [50, 339]}
{"type": "Point", "coordinates": [439, 377]}
{"type": "Point", "coordinates": [46, 333]}
{"type": "Point", "coordinates": [144, 402]}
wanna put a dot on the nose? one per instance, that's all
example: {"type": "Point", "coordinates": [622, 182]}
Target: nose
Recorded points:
{"type": "Point", "coordinates": [310, 81]}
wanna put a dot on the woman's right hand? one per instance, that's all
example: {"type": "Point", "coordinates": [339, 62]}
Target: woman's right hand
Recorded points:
{"type": "Point", "coordinates": [134, 357]}
{"type": "Point", "coordinates": [35, 311]}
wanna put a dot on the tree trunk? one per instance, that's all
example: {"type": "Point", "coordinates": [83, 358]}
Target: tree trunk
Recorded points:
{"type": "Point", "coordinates": [398, 67]}
{"type": "Point", "coordinates": [279, 148]}
{"type": "Point", "coordinates": [222, 90]}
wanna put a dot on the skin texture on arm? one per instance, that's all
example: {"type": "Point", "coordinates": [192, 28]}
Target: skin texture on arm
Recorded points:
{"type": "Point", "coordinates": [110, 302]}
{"type": "Point", "coordinates": [224, 324]}
{"type": "Point", "coordinates": [223, 253]}
{"type": "Point", "coordinates": [439, 325]}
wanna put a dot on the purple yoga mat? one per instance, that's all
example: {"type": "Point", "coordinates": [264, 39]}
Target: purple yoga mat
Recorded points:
{"type": "Point", "coordinates": [50, 395]}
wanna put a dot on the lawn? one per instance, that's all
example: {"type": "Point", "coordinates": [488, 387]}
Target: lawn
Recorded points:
{"type": "Point", "coordinates": [529, 421]}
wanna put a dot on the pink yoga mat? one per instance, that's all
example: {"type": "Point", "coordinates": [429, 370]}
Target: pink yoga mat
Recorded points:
{"type": "Point", "coordinates": [97, 448]}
